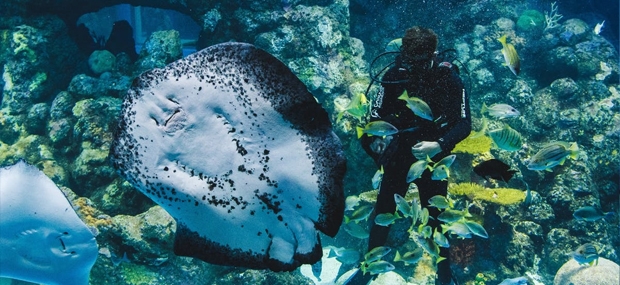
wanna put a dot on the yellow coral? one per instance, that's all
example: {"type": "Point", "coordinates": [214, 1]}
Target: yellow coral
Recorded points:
{"type": "Point", "coordinates": [89, 214]}
{"type": "Point", "coordinates": [502, 196]}
{"type": "Point", "coordinates": [474, 144]}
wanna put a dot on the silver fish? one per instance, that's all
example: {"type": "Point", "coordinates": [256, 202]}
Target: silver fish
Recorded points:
{"type": "Point", "coordinates": [378, 267]}
{"type": "Point", "coordinates": [439, 202]}
{"type": "Point", "coordinates": [376, 254]}
{"type": "Point", "coordinates": [410, 257]}
{"type": "Point", "coordinates": [386, 219]}
{"type": "Point", "coordinates": [402, 205]}
{"type": "Point", "coordinates": [476, 229]}
{"type": "Point", "coordinates": [376, 179]}
{"type": "Point", "coordinates": [514, 281]}
{"type": "Point", "coordinates": [356, 230]}
{"type": "Point", "coordinates": [418, 106]}
{"type": "Point", "coordinates": [416, 170]}
{"type": "Point", "coordinates": [500, 111]}
{"type": "Point", "coordinates": [360, 214]}
{"type": "Point", "coordinates": [440, 239]}
{"type": "Point", "coordinates": [345, 255]}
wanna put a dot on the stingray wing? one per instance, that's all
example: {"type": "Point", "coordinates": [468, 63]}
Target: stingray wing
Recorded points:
{"type": "Point", "coordinates": [231, 143]}
{"type": "Point", "coordinates": [42, 239]}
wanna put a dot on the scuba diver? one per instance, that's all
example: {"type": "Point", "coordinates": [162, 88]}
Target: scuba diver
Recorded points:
{"type": "Point", "coordinates": [438, 84]}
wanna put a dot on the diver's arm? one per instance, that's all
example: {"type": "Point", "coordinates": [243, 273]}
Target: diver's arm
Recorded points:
{"type": "Point", "coordinates": [459, 116]}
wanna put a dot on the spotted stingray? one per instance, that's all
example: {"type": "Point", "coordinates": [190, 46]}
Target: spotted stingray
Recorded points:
{"type": "Point", "coordinates": [231, 143]}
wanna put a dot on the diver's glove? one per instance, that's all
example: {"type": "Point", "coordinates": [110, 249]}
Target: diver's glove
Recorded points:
{"type": "Point", "coordinates": [425, 148]}
{"type": "Point", "coordinates": [380, 144]}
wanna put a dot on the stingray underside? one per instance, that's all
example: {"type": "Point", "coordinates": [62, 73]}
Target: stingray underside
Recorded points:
{"type": "Point", "coordinates": [231, 143]}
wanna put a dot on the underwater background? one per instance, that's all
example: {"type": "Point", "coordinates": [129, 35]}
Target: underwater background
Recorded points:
{"type": "Point", "coordinates": [64, 78]}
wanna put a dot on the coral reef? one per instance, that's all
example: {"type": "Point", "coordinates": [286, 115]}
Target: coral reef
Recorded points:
{"type": "Point", "coordinates": [474, 144]}
{"type": "Point", "coordinates": [501, 196]}
{"type": "Point", "coordinates": [58, 113]}
{"type": "Point", "coordinates": [101, 61]}
{"type": "Point", "coordinates": [604, 273]}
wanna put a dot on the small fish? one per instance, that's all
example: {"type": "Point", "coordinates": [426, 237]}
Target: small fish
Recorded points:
{"type": "Point", "coordinates": [440, 202]}
{"type": "Point", "coordinates": [458, 228]}
{"type": "Point", "coordinates": [418, 106]}
{"type": "Point", "coordinates": [376, 179]}
{"type": "Point", "coordinates": [447, 161]}
{"type": "Point", "coordinates": [344, 255]}
{"type": "Point", "coordinates": [494, 168]}
{"type": "Point", "coordinates": [416, 170]}
{"type": "Point", "coordinates": [425, 231]}
{"type": "Point", "coordinates": [377, 128]}
{"type": "Point", "coordinates": [514, 281]}
{"type": "Point", "coordinates": [591, 214]}
{"type": "Point", "coordinates": [511, 57]}
{"type": "Point", "coordinates": [346, 277]}
{"type": "Point", "coordinates": [427, 244]}
{"type": "Point", "coordinates": [356, 230]}
{"type": "Point", "coordinates": [415, 210]}
{"type": "Point", "coordinates": [386, 219]}
{"type": "Point", "coordinates": [376, 254]}
{"type": "Point", "coordinates": [441, 172]}
{"type": "Point", "coordinates": [116, 260]}
{"type": "Point", "coordinates": [424, 215]}
{"type": "Point", "coordinates": [394, 45]}
{"type": "Point", "coordinates": [599, 27]}
{"type": "Point", "coordinates": [553, 154]}
{"type": "Point", "coordinates": [500, 111]}
{"type": "Point", "coordinates": [402, 205]}
{"type": "Point", "coordinates": [411, 257]}
{"type": "Point", "coordinates": [449, 216]}
{"type": "Point", "coordinates": [360, 214]}
{"type": "Point", "coordinates": [441, 169]}
{"type": "Point", "coordinates": [358, 107]}
{"type": "Point", "coordinates": [476, 229]}
{"type": "Point", "coordinates": [586, 254]}
{"type": "Point", "coordinates": [378, 267]}
{"type": "Point", "coordinates": [440, 239]}
{"type": "Point", "coordinates": [351, 202]}
{"type": "Point", "coordinates": [507, 138]}
{"type": "Point", "coordinates": [528, 194]}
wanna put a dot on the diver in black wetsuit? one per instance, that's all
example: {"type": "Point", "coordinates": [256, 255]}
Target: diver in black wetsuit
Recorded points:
{"type": "Point", "coordinates": [439, 85]}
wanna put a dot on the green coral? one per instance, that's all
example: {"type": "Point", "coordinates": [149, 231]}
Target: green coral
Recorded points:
{"type": "Point", "coordinates": [480, 279]}
{"type": "Point", "coordinates": [37, 80]}
{"type": "Point", "coordinates": [501, 196]}
{"type": "Point", "coordinates": [531, 21]}
{"type": "Point", "coordinates": [20, 44]}
{"type": "Point", "coordinates": [475, 143]}
{"type": "Point", "coordinates": [136, 274]}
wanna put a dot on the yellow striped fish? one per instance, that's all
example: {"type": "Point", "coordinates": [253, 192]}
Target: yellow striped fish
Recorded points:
{"type": "Point", "coordinates": [510, 56]}
{"type": "Point", "coordinates": [507, 138]}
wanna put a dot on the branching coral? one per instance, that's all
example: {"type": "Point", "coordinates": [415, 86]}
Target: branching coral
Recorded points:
{"type": "Point", "coordinates": [553, 17]}
{"type": "Point", "coordinates": [90, 215]}
{"type": "Point", "coordinates": [474, 144]}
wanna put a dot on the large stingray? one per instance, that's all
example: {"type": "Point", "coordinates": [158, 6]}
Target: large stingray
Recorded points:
{"type": "Point", "coordinates": [42, 239]}
{"type": "Point", "coordinates": [231, 143]}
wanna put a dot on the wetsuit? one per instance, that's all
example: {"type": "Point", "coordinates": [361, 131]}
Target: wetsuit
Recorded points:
{"type": "Point", "coordinates": [442, 89]}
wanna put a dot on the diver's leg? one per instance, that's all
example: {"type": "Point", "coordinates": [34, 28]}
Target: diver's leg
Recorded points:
{"type": "Point", "coordinates": [394, 182]}
{"type": "Point", "coordinates": [427, 189]}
